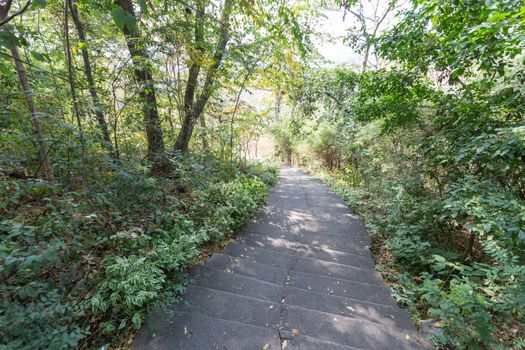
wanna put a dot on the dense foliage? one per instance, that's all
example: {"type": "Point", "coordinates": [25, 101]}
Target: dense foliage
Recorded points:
{"type": "Point", "coordinates": [431, 152]}
{"type": "Point", "coordinates": [125, 134]}
{"type": "Point", "coordinates": [81, 79]}
{"type": "Point", "coordinates": [80, 265]}
{"type": "Point", "coordinates": [123, 154]}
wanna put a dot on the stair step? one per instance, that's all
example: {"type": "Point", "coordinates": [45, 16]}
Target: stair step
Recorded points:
{"type": "Point", "coordinates": [300, 215]}
{"type": "Point", "coordinates": [351, 332]}
{"type": "Point", "coordinates": [361, 310]}
{"type": "Point", "coordinates": [323, 214]}
{"type": "Point", "coordinates": [290, 202]}
{"type": "Point", "coordinates": [329, 209]}
{"type": "Point", "coordinates": [291, 341]}
{"type": "Point", "coordinates": [192, 331]}
{"type": "Point", "coordinates": [349, 234]}
{"type": "Point", "coordinates": [348, 242]}
{"type": "Point", "coordinates": [353, 226]}
{"type": "Point", "coordinates": [275, 226]}
{"type": "Point", "coordinates": [308, 265]}
{"type": "Point", "coordinates": [278, 195]}
{"type": "Point", "coordinates": [264, 241]}
{"type": "Point", "coordinates": [330, 204]}
{"type": "Point", "coordinates": [290, 241]}
{"type": "Point", "coordinates": [284, 258]}
{"type": "Point", "coordinates": [247, 268]}
{"type": "Point", "coordinates": [335, 270]}
{"type": "Point", "coordinates": [264, 256]}
{"type": "Point", "coordinates": [326, 200]}
{"type": "Point", "coordinates": [343, 258]}
{"type": "Point", "coordinates": [237, 284]}
{"type": "Point", "coordinates": [271, 215]}
{"type": "Point", "coordinates": [374, 293]}
{"type": "Point", "coordinates": [231, 307]}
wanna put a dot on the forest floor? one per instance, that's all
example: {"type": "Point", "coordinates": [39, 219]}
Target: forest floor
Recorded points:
{"type": "Point", "coordinates": [299, 276]}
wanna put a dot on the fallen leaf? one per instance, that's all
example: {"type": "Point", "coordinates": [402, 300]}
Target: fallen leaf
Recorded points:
{"type": "Point", "coordinates": [266, 347]}
{"type": "Point", "coordinates": [295, 331]}
{"type": "Point", "coordinates": [515, 330]}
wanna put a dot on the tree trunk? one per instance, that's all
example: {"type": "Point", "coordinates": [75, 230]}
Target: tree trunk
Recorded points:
{"type": "Point", "coordinates": [232, 121]}
{"type": "Point", "coordinates": [278, 107]}
{"type": "Point", "coordinates": [183, 139]}
{"type": "Point", "coordinates": [76, 108]}
{"type": "Point", "coordinates": [22, 76]}
{"type": "Point", "coordinates": [99, 115]}
{"type": "Point", "coordinates": [205, 142]}
{"type": "Point", "coordinates": [143, 76]}
{"type": "Point", "coordinates": [365, 57]}
{"type": "Point", "coordinates": [374, 34]}
{"type": "Point", "coordinates": [194, 110]}
{"type": "Point", "coordinates": [470, 248]}
{"type": "Point", "coordinates": [37, 126]}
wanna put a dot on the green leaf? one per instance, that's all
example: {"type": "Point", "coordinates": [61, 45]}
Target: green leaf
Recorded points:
{"type": "Point", "coordinates": [4, 69]}
{"type": "Point", "coordinates": [439, 258]}
{"type": "Point", "coordinates": [38, 56]}
{"type": "Point", "coordinates": [40, 3]}
{"type": "Point", "coordinates": [119, 16]}
{"type": "Point", "coordinates": [7, 38]}
{"type": "Point", "coordinates": [137, 320]}
{"type": "Point", "coordinates": [456, 73]}
{"type": "Point", "coordinates": [144, 7]}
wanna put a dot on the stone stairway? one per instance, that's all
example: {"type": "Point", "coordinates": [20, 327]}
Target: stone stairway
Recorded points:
{"type": "Point", "coordinates": [299, 276]}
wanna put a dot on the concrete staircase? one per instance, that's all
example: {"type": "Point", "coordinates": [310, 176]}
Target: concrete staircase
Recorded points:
{"type": "Point", "coordinates": [299, 276]}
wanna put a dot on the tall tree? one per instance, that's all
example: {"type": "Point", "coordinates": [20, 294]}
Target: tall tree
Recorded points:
{"type": "Point", "coordinates": [125, 17]}
{"type": "Point", "coordinates": [88, 71]}
{"type": "Point", "coordinates": [193, 107]}
{"type": "Point", "coordinates": [28, 95]}
{"type": "Point", "coordinates": [72, 85]}
{"type": "Point", "coordinates": [363, 38]}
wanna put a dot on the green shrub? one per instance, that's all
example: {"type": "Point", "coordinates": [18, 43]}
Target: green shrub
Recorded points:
{"type": "Point", "coordinates": [96, 261]}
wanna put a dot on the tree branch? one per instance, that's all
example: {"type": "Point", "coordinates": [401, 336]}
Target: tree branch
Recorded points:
{"type": "Point", "coordinates": [193, 74]}
{"type": "Point", "coordinates": [4, 10]}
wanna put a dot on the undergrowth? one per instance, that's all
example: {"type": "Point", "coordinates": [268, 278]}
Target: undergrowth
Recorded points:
{"type": "Point", "coordinates": [82, 268]}
{"type": "Point", "coordinates": [420, 246]}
